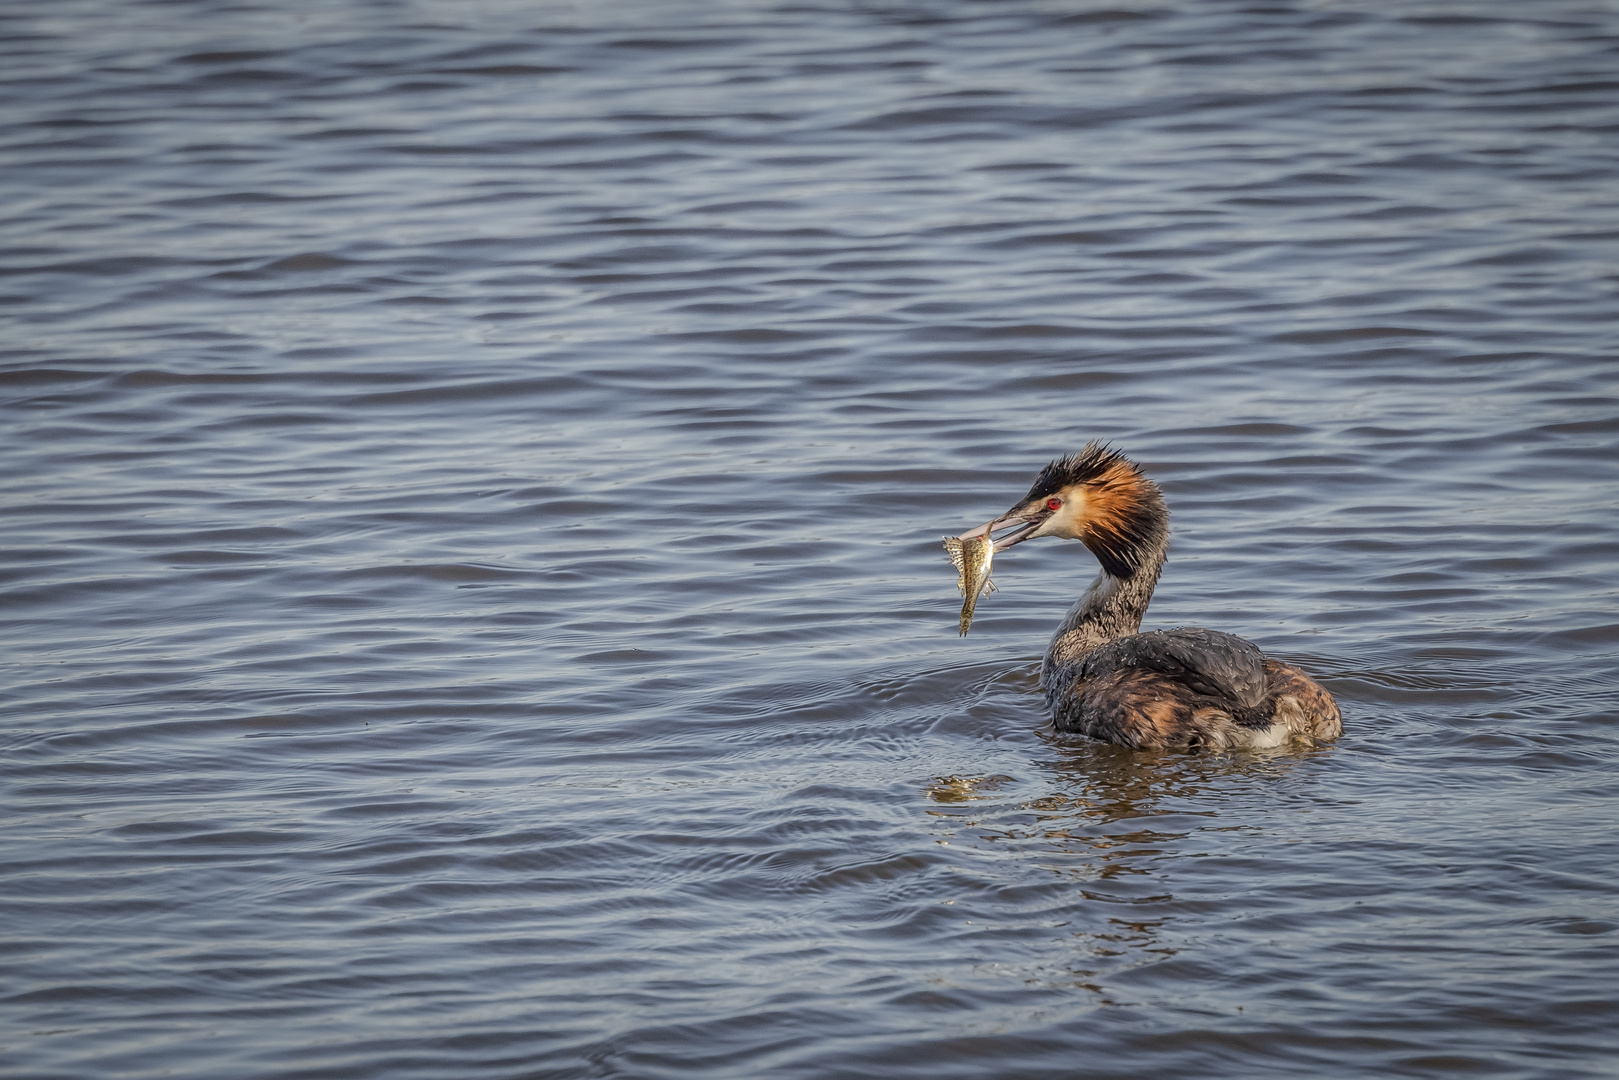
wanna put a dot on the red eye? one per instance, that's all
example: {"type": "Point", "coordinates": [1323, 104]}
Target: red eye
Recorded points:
{"type": "Point", "coordinates": [1053, 504]}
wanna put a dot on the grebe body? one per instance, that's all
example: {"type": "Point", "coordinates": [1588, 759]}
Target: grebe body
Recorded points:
{"type": "Point", "coordinates": [1101, 676]}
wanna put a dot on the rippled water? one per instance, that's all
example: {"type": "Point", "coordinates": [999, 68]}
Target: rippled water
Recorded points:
{"type": "Point", "coordinates": [473, 476]}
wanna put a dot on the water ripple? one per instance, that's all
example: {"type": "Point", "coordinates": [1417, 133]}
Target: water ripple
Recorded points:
{"type": "Point", "coordinates": [473, 490]}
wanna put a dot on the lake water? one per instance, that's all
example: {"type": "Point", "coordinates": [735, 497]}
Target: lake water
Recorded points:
{"type": "Point", "coordinates": [473, 478]}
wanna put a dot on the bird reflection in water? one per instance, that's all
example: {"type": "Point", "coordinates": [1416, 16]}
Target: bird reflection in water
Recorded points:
{"type": "Point", "coordinates": [1115, 822]}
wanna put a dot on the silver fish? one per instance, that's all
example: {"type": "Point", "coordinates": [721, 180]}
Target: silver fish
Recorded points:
{"type": "Point", "coordinates": [972, 559]}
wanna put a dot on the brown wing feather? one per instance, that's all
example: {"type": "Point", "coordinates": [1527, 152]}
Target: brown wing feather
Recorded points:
{"type": "Point", "coordinates": [1303, 704]}
{"type": "Point", "coordinates": [1130, 707]}
{"type": "Point", "coordinates": [1144, 708]}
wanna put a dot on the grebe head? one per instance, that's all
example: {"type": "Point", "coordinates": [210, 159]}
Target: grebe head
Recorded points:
{"type": "Point", "coordinates": [1097, 496]}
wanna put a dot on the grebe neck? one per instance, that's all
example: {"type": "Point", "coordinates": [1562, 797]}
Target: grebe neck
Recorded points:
{"type": "Point", "coordinates": [1111, 607]}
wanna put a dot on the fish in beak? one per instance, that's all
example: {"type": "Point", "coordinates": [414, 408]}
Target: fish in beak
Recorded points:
{"type": "Point", "coordinates": [972, 556]}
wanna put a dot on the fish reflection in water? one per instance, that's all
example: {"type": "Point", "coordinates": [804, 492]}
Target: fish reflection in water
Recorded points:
{"type": "Point", "coordinates": [972, 557]}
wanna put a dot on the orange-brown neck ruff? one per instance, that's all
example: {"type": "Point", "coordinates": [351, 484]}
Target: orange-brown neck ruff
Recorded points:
{"type": "Point", "coordinates": [1124, 521]}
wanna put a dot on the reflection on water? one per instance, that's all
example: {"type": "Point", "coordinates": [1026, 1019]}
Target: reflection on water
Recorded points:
{"type": "Point", "coordinates": [961, 789]}
{"type": "Point", "coordinates": [1114, 824]}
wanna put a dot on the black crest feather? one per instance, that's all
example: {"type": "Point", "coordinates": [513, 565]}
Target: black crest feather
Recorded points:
{"type": "Point", "coordinates": [1131, 520]}
{"type": "Point", "coordinates": [1082, 468]}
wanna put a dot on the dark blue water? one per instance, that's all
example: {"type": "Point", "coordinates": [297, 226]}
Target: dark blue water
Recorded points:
{"type": "Point", "coordinates": [472, 484]}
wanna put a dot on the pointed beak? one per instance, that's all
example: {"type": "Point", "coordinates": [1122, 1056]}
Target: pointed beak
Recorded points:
{"type": "Point", "coordinates": [1017, 526]}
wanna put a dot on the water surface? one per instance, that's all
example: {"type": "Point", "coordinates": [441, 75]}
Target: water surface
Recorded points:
{"type": "Point", "coordinates": [473, 480]}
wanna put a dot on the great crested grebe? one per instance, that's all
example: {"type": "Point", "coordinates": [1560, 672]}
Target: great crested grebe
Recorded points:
{"type": "Point", "coordinates": [1101, 677]}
